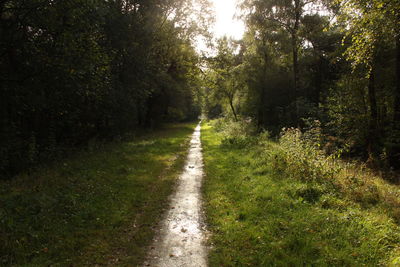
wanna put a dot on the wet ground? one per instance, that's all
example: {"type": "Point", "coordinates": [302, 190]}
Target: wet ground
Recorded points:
{"type": "Point", "coordinates": [181, 239]}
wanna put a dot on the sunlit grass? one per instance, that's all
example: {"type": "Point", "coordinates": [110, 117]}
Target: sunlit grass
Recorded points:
{"type": "Point", "coordinates": [263, 213]}
{"type": "Point", "coordinates": [96, 207]}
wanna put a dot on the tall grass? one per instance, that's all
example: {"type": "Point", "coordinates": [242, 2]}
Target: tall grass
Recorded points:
{"type": "Point", "coordinates": [288, 203]}
{"type": "Point", "coordinates": [300, 156]}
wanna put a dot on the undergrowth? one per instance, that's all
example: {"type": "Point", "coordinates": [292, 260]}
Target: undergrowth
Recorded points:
{"type": "Point", "coordinates": [287, 203]}
{"type": "Point", "coordinates": [95, 208]}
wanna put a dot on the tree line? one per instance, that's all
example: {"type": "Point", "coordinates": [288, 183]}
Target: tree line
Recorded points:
{"type": "Point", "coordinates": [75, 70]}
{"type": "Point", "coordinates": [332, 64]}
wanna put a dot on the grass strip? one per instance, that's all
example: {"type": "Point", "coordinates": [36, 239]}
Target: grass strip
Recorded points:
{"type": "Point", "coordinates": [261, 216]}
{"type": "Point", "coordinates": [96, 207]}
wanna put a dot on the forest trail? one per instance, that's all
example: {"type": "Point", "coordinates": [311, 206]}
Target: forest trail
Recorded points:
{"type": "Point", "coordinates": [181, 239]}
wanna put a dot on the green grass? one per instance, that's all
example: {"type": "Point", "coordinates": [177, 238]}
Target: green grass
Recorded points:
{"type": "Point", "coordinates": [96, 207]}
{"type": "Point", "coordinates": [260, 215]}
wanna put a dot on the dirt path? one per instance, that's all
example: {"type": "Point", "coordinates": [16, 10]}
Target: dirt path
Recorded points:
{"type": "Point", "coordinates": [181, 238]}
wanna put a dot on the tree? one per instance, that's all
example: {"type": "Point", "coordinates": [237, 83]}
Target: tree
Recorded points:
{"type": "Point", "coordinates": [275, 15]}
{"type": "Point", "coordinates": [72, 71]}
{"type": "Point", "coordinates": [224, 72]}
{"type": "Point", "coordinates": [371, 24]}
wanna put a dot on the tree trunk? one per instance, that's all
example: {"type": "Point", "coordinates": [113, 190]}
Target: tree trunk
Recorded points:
{"type": "Point", "coordinates": [319, 80]}
{"type": "Point", "coordinates": [233, 109]}
{"type": "Point", "coordinates": [395, 129]}
{"type": "Point", "coordinates": [373, 133]}
{"type": "Point", "coordinates": [295, 55]}
{"type": "Point", "coordinates": [261, 119]}
{"type": "Point", "coordinates": [261, 115]}
{"type": "Point", "coordinates": [397, 93]}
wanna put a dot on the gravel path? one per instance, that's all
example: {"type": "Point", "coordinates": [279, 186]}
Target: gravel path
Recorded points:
{"type": "Point", "coordinates": [181, 240]}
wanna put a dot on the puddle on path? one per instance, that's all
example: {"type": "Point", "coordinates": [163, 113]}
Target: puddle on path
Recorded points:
{"type": "Point", "coordinates": [181, 239]}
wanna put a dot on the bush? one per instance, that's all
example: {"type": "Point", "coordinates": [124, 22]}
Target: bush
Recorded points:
{"type": "Point", "coordinates": [304, 158]}
{"type": "Point", "coordinates": [239, 134]}
{"type": "Point", "coordinates": [300, 156]}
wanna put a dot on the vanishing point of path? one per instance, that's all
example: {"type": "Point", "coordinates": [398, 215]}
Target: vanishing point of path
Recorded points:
{"type": "Point", "coordinates": [181, 240]}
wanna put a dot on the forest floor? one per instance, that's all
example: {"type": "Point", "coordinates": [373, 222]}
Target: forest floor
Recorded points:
{"type": "Point", "coordinates": [181, 238]}
{"type": "Point", "coordinates": [96, 208]}
{"type": "Point", "coordinates": [260, 215]}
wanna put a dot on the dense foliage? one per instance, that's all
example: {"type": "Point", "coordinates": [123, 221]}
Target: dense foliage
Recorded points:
{"type": "Point", "coordinates": [335, 62]}
{"type": "Point", "coordinates": [72, 71]}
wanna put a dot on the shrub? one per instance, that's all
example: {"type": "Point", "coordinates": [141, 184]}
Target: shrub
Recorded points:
{"type": "Point", "coordinates": [300, 156]}
{"type": "Point", "coordinates": [304, 158]}
{"type": "Point", "coordinates": [239, 134]}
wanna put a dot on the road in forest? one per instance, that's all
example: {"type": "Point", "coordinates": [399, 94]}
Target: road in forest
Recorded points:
{"type": "Point", "coordinates": [181, 239]}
